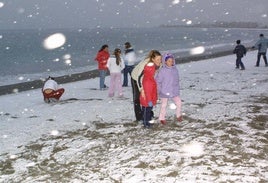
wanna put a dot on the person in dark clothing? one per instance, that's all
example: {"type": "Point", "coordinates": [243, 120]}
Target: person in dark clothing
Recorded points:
{"type": "Point", "coordinates": [130, 61]}
{"type": "Point", "coordinates": [240, 51]}
{"type": "Point", "coordinates": [262, 45]}
{"type": "Point", "coordinates": [136, 80]}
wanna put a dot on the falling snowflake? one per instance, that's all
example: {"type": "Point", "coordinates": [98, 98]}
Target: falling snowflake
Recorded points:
{"type": "Point", "coordinates": [54, 41]}
{"type": "Point", "coordinates": [1, 4]}
{"type": "Point", "coordinates": [54, 132]}
{"type": "Point", "coordinates": [197, 50]}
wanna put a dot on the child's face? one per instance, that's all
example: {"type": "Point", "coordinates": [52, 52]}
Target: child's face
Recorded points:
{"type": "Point", "coordinates": [157, 60]}
{"type": "Point", "coordinates": [169, 62]}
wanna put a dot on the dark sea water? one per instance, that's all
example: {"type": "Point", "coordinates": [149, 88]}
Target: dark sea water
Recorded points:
{"type": "Point", "coordinates": [24, 58]}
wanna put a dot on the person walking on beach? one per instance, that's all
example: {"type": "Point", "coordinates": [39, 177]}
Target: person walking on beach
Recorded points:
{"type": "Point", "coordinates": [262, 45]}
{"type": "Point", "coordinates": [240, 50]}
{"type": "Point", "coordinates": [136, 78]}
{"type": "Point", "coordinates": [115, 64]}
{"type": "Point", "coordinates": [168, 87]}
{"type": "Point", "coordinates": [102, 57]}
{"type": "Point", "coordinates": [51, 91]}
{"type": "Point", "coordinates": [130, 60]}
{"type": "Point", "coordinates": [148, 97]}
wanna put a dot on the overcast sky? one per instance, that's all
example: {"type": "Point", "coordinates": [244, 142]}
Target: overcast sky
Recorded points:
{"type": "Point", "coordinates": [126, 13]}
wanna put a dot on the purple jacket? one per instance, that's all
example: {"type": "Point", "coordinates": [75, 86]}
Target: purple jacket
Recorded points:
{"type": "Point", "coordinates": [168, 81]}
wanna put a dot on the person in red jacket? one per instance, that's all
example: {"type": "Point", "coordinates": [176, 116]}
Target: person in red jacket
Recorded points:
{"type": "Point", "coordinates": [148, 97]}
{"type": "Point", "coordinates": [102, 58]}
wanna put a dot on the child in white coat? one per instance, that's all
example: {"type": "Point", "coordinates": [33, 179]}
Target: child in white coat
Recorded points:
{"type": "Point", "coordinates": [115, 65]}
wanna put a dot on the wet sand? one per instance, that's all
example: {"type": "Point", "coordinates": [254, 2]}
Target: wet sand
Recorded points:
{"type": "Point", "coordinates": [18, 87]}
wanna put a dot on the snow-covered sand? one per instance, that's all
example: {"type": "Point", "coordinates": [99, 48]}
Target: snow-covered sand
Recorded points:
{"type": "Point", "coordinates": [223, 137]}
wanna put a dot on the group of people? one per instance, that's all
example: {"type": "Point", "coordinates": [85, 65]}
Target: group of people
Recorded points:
{"type": "Point", "coordinates": [150, 78]}
{"type": "Point", "coordinates": [154, 77]}
{"type": "Point", "coordinates": [116, 64]}
{"type": "Point", "coordinates": [240, 51]}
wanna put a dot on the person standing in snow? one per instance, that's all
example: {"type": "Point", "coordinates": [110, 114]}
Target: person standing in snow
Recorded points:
{"type": "Point", "coordinates": [130, 60]}
{"type": "Point", "coordinates": [115, 64]}
{"type": "Point", "coordinates": [102, 57]}
{"type": "Point", "coordinates": [51, 91]}
{"type": "Point", "coordinates": [262, 45]}
{"type": "Point", "coordinates": [155, 57]}
{"type": "Point", "coordinates": [240, 50]}
{"type": "Point", "coordinates": [168, 87]}
{"type": "Point", "coordinates": [148, 97]}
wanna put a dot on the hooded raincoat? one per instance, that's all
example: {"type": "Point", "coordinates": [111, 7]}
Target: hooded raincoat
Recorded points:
{"type": "Point", "coordinates": [149, 85]}
{"type": "Point", "coordinates": [168, 81]}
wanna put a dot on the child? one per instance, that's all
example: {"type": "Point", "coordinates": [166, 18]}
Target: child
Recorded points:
{"type": "Point", "coordinates": [240, 51]}
{"type": "Point", "coordinates": [148, 96]}
{"type": "Point", "coordinates": [168, 87]}
{"type": "Point", "coordinates": [115, 64]}
{"type": "Point", "coordinates": [50, 90]}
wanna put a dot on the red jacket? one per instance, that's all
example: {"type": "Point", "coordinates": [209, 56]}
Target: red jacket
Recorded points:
{"type": "Point", "coordinates": [149, 85]}
{"type": "Point", "coordinates": [101, 58]}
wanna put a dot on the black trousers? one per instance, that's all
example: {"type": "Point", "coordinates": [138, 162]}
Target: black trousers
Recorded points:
{"type": "Point", "coordinates": [147, 115]}
{"type": "Point", "coordinates": [136, 100]}
{"type": "Point", "coordinates": [239, 63]}
{"type": "Point", "coordinates": [259, 58]}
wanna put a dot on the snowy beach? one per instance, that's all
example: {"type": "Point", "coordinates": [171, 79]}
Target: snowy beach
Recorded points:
{"type": "Point", "coordinates": [89, 137]}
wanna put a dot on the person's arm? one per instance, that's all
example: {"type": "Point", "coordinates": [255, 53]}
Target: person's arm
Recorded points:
{"type": "Point", "coordinates": [256, 45]}
{"type": "Point", "coordinates": [234, 51]}
{"type": "Point", "coordinates": [122, 64]}
{"type": "Point", "coordinates": [108, 63]}
{"type": "Point", "coordinates": [136, 73]}
{"type": "Point", "coordinates": [245, 50]}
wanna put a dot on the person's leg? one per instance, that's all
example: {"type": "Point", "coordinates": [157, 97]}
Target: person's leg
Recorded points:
{"type": "Point", "coordinates": [129, 70]}
{"type": "Point", "coordinates": [57, 94]}
{"type": "Point", "coordinates": [119, 84]}
{"type": "Point", "coordinates": [265, 59]}
{"type": "Point", "coordinates": [136, 100]}
{"type": "Point", "coordinates": [125, 73]}
{"type": "Point", "coordinates": [237, 63]}
{"type": "Point", "coordinates": [46, 99]}
{"type": "Point", "coordinates": [147, 111]}
{"type": "Point", "coordinates": [177, 101]}
{"type": "Point", "coordinates": [241, 63]}
{"type": "Point", "coordinates": [112, 85]}
{"type": "Point", "coordinates": [163, 107]}
{"type": "Point", "coordinates": [258, 60]}
{"type": "Point", "coordinates": [102, 75]}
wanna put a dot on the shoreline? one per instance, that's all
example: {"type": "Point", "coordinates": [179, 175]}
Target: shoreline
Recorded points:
{"type": "Point", "coordinates": [19, 87]}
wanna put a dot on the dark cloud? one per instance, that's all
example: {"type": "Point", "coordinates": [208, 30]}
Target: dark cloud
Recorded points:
{"type": "Point", "coordinates": [126, 13]}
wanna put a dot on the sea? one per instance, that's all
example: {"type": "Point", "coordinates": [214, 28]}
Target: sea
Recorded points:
{"type": "Point", "coordinates": [23, 56]}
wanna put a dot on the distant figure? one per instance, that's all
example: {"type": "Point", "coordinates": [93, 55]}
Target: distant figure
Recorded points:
{"type": "Point", "coordinates": [102, 58]}
{"type": "Point", "coordinates": [240, 51]}
{"type": "Point", "coordinates": [50, 90]}
{"type": "Point", "coordinates": [148, 97]}
{"type": "Point", "coordinates": [262, 45]}
{"type": "Point", "coordinates": [136, 78]}
{"type": "Point", "coordinates": [130, 60]}
{"type": "Point", "coordinates": [115, 64]}
{"type": "Point", "coordinates": [168, 86]}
